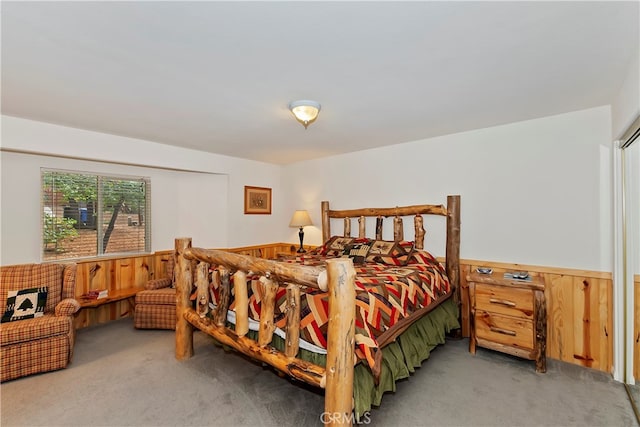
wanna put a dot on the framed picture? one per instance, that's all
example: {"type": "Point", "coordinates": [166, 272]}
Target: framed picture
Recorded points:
{"type": "Point", "coordinates": [257, 200]}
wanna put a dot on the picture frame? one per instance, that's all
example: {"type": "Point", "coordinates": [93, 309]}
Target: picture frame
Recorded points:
{"type": "Point", "coordinates": [257, 200]}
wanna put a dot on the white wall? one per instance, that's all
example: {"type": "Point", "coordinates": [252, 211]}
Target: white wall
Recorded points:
{"type": "Point", "coordinates": [626, 105]}
{"type": "Point", "coordinates": [245, 230]}
{"type": "Point", "coordinates": [535, 192]}
{"type": "Point", "coordinates": [217, 220]}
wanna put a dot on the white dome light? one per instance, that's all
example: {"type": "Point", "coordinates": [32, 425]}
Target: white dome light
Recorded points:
{"type": "Point", "coordinates": [305, 111]}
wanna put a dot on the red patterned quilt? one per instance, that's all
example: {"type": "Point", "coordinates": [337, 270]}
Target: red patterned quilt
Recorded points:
{"type": "Point", "coordinates": [384, 296]}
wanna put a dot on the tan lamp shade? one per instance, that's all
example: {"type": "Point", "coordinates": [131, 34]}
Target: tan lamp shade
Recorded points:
{"type": "Point", "coordinates": [300, 219]}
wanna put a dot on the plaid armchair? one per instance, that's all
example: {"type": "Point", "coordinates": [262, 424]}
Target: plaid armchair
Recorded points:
{"type": "Point", "coordinates": [156, 305]}
{"type": "Point", "coordinates": [45, 341]}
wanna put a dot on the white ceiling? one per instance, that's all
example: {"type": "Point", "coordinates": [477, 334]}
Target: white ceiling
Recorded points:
{"type": "Point", "coordinates": [217, 76]}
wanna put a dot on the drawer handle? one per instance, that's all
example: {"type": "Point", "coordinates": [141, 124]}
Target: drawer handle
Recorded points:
{"type": "Point", "coordinates": [502, 331]}
{"type": "Point", "coordinates": [502, 301]}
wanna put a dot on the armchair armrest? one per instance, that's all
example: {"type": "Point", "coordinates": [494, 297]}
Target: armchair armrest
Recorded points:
{"type": "Point", "coordinates": [67, 307]}
{"type": "Point", "coordinates": [157, 284]}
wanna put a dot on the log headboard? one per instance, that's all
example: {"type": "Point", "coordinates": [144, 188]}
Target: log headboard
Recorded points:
{"type": "Point", "coordinates": [451, 211]}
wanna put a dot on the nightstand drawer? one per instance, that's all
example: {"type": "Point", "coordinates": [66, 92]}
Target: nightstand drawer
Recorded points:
{"type": "Point", "coordinates": [504, 300]}
{"type": "Point", "coordinates": [505, 330]}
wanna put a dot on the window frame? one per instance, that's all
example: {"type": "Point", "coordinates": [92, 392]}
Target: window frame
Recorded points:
{"type": "Point", "coordinates": [100, 177]}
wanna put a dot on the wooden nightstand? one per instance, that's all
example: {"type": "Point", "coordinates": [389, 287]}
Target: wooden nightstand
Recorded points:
{"type": "Point", "coordinates": [509, 316]}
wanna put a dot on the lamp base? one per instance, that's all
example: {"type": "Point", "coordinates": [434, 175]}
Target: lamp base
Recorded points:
{"type": "Point", "coordinates": [301, 235]}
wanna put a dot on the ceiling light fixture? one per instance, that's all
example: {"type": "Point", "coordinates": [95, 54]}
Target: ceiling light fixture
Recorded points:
{"type": "Point", "coordinates": [305, 111]}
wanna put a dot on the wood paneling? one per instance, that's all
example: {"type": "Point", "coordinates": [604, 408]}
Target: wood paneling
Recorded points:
{"type": "Point", "coordinates": [115, 273]}
{"type": "Point", "coordinates": [580, 319]}
{"type": "Point", "coordinates": [112, 274]}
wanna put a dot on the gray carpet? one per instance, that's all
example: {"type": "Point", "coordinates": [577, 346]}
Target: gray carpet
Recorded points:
{"type": "Point", "coordinates": [126, 377]}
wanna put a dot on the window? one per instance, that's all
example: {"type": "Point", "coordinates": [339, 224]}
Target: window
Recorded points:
{"type": "Point", "coordinates": [85, 215]}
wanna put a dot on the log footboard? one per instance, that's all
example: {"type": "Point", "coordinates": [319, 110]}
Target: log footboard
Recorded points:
{"type": "Point", "coordinates": [296, 368]}
{"type": "Point", "coordinates": [338, 278]}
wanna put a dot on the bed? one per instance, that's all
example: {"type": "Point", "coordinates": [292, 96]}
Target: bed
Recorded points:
{"type": "Point", "coordinates": [351, 317]}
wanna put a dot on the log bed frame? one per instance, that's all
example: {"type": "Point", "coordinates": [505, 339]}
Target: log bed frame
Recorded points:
{"type": "Point", "coordinates": [338, 279]}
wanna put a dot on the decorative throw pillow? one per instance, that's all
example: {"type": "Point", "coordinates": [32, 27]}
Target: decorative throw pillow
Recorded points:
{"type": "Point", "coordinates": [357, 251]}
{"type": "Point", "coordinates": [390, 252]}
{"type": "Point", "coordinates": [335, 246]}
{"type": "Point", "coordinates": [25, 304]}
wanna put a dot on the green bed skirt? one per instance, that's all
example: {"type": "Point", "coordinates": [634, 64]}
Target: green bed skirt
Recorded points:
{"type": "Point", "coordinates": [399, 358]}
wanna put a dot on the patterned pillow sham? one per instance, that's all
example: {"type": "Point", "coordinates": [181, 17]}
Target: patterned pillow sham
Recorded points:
{"type": "Point", "coordinates": [357, 251]}
{"type": "Point", "coordinates": [390, 252]}
{"type": "Point", "coordinates": [335, 246]}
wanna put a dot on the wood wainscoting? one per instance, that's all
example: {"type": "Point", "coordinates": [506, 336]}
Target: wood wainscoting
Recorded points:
{"type": "Point", "coordinates": [114, 274]}
{"type": "Point", "coordinates": [124, 274]}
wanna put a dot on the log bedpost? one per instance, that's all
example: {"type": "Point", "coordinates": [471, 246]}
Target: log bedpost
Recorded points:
{"type": "Point", "coordinates": [293, 321]}
{"type": "Point", "coordinates": [215, 284]}
{"type": "Point", "coordinates": [242, 303]}
{"type": "Point", "coordinates": [361, 227]}
{"type": "Point", "coordinates": [453, 245]}
{"type": "Point", "coordinates": [220, 314]}
{"type": "Point", "coordinates": [202, 284]}
{"type": "Point", "coordinates": [418, 223]}
{"type": "Point", "coordinates": [340, 340]}
{"type": "Point", "coordinates": [184, 283]}
{"type": "Point", "coordinates": [267, 308]}
{"type": "Point", "coordinates": [347, 227]}
{"type": "Point", "coordinates": [379, 228]}
{"type": "Point", "coordinates": [398, 229]}
{"type": "Point", "coordinates": [326, 225]}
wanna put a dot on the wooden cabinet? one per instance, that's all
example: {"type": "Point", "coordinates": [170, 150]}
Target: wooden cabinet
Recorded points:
{"type": "Point", "coordinates": [508, 316]}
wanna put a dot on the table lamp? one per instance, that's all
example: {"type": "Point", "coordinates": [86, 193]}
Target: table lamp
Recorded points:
{"type": "Point", "coordinates": [300, 219]}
